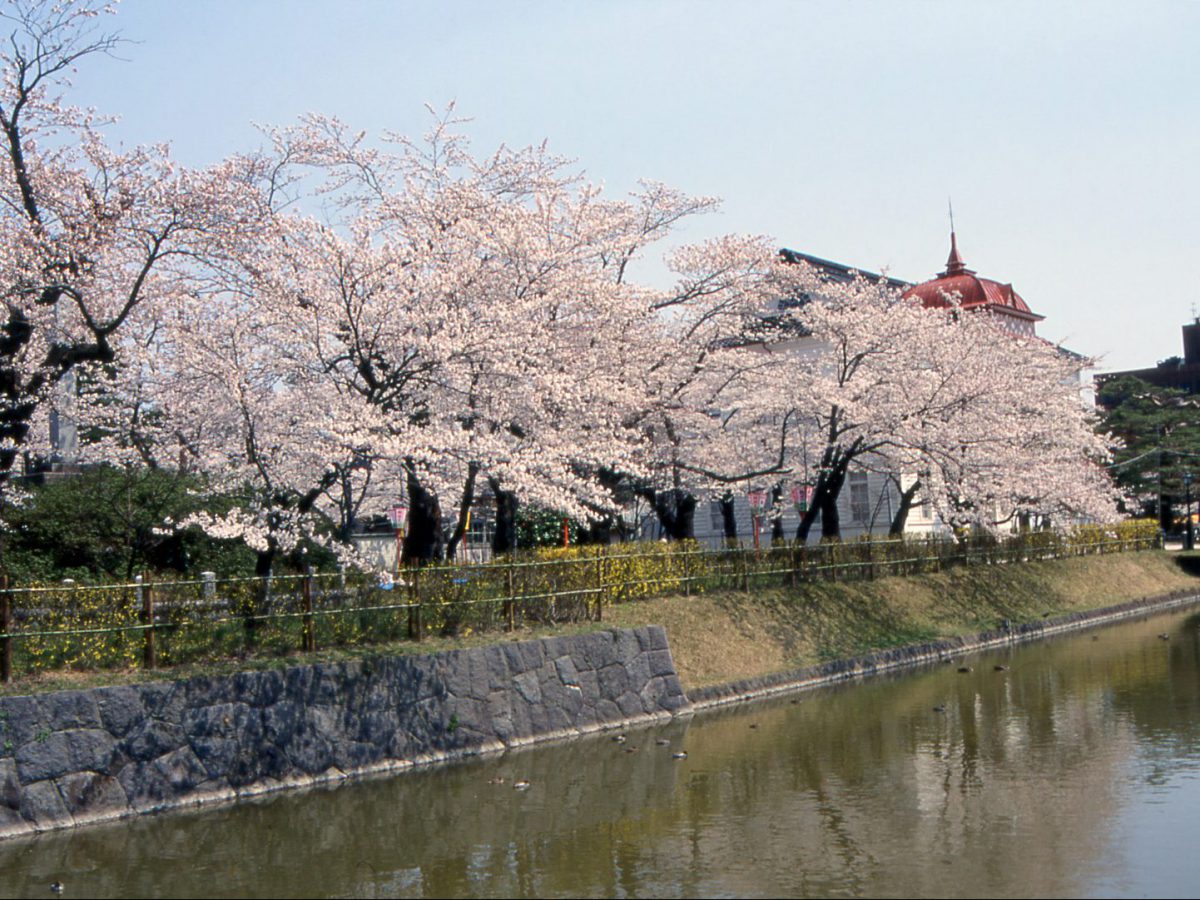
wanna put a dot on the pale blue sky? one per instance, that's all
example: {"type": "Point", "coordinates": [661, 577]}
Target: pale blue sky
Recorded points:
{"type": "Point", "coordinates": [1066, 134]}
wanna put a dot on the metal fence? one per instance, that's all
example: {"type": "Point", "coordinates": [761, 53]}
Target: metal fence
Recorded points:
{"type": "Point", "coordinates": [163, 623]}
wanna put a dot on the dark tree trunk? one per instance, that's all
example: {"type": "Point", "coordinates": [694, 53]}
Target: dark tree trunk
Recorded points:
{"type": "Point", "coordinates": [1166, 514]}
{"type": "Point", "coordinates": [424, 541]}
{"type": "Point", "coordinates": [599, 531]}
{"type": "Point", "coordinates": [729, 519]}
{"type": "Point", "coordinates": [900, 519]}
{"type": "Point", "coordinates": [824, 502]}
{"type": "Point", "coordinates": [256, 602]}
{"type": "Point", "coordinates": [504, 538]}
{"type": "Point", "coordinates": [464, 511]}
{"type": "Point", "coordinates": [676, 511]}
{"type": "Point", "coordinates": [346, 506]}
{"type": "Point", "coordinates": [832, 475]}
{"type": "Point", "coordinates": [829, 460]}
{"type": "Point", "coordinates": [831, 522]}
{"type": "Point", "coordinates": [810, 515]}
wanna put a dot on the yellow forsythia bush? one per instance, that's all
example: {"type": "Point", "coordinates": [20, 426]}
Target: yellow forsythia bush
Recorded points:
{"type": "Point", "coordinates": [77, 627]}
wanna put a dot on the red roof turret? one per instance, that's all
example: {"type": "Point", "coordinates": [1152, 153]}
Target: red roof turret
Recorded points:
{"type": "Point", "coordinates": [974, 292]}
{"type": "Point", "coordinates": [954, 263]}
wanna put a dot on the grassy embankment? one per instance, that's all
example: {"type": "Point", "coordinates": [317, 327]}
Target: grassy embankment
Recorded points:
{"type": "Point", "coordinates": [731, 635]}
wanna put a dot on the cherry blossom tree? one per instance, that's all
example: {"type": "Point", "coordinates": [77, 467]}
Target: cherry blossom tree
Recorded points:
{"type": "Point", "coordinates": [481, 306]}
{"type": "Point", "coordinates": [707, 416]}
{"type": "Point", "coordinates": [89, 235]}
{"type": "Point", "coordinates": [986, 424]}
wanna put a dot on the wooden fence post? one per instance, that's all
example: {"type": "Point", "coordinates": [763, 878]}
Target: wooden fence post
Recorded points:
{"type": "Point", "coordinates": [309, 631]}
{"type": "Point", "coordinates": [600, 587]}
{"type": "Point", "coordinates": [414, 608]}
{"type": "Point", "coordinates": [509, 611]}
{"type": "Point", "coordinates": [149, 650]}
{"type": "Point", "coordinates": [6, 627]}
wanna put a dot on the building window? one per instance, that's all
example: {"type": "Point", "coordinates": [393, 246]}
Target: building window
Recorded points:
{"type": "Point", "coordinates": [860, 497]}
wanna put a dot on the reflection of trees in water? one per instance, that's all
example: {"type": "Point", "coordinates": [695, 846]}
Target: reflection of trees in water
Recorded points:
{"type": "Point", "coordinates": [1165, 709]}
{"type": "Point", "coordinates": [1014, 784]}
{"type": "Point", "coordinates": [863, 789]}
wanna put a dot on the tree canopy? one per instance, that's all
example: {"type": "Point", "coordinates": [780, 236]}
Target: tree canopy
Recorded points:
{"type": "Point", "coordinates": [1159, 444]}
{"type": "Point", "coordinates": [338, 320]}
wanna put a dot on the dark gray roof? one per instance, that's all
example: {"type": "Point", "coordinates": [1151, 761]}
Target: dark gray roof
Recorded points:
{"type": "Point", "coordinates": [838, 271]}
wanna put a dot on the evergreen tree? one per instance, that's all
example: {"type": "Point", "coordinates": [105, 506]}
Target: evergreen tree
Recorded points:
{"type": "Point", "coordinates": [1159, 429]}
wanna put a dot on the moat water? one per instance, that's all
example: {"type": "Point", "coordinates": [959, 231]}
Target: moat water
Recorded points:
{"type": "Point", "coordinates": [1075, 771]}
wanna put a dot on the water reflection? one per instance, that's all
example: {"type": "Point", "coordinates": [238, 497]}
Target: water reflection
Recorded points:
{"type": "Point", "coordinates": [1036, 780]}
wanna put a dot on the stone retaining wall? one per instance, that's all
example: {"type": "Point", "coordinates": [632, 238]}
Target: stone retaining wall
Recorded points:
{"type": "Point", "coordinates": [77, 757]}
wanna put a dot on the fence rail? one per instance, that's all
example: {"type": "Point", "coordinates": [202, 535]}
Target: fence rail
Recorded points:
{"type": "Point", "coordinates": [150, 624]}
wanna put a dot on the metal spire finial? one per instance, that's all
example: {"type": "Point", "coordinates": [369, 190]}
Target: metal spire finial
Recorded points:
{"type": "Point", "coordinates": [954, 265]}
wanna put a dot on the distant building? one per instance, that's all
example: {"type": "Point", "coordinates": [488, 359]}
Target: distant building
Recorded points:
{"type": "Point", "coordinates": [1181, 374]}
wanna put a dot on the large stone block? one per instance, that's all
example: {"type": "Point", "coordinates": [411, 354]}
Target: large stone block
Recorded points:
{"type": "Point", "coordinates": [280, 721]}
{"type": "Point", "coordinates": [298, 684]}
{"type": "Point", "coordinates": [469, 714]}
{"type": "Point", "coordinates": [514, 658]}
{"type": "Point", "coordinates": [376, 727]}
{"type": "Point", "coordinates": [527, 687]}
{"type": "Point", "coordinates": [153, 738]}
{"type": "Point", "coordinates": [166, 700]}
{"type": "Point", "coordinates": [478, 677]}
{"type": "Point", "coordinates": [66, 751]}
{"type": "Point", "coordinates": [121, 708]}
{"type": "Point", "coordinates": [311, 748]}
{"type": "Point", "coordinates": [660, 663]}
{"type": "Point", "coordinates": [497, 667]}
{"type": "Point", "coordinates": [630, 705]}
{"type": "Point", "coordinates": [626, 646]}
{"type": "Point", "coordinates": [614, 681]}
{"type": "Point", "coordinates": [422, 679]}
{"type": "Point", "coordinates": [350, 755]}
{"type": "Point", "coordinates": [521, 724]}
{"type": "Point", "coordinates": [71, 709]}
{"type": "Point", "coordinates": [90, 793]}
{"type": "Point", "coordinates": [257, 688]}
{"type": "Point", "coordinates": [599, 650]}
{"type": "Point", "coordinates": [559, 718]}
{"type": "Point", "coordinates": [607, 711]}
{"type": "Point", "coordinates": [207, 690]}
{"type": "Point", "coordinates": [327, 685]}
{"type": "Point", "coordinates": [21, 720]}
{"type": "Point", "coordinates": [162, 781]}
{"type": "Point", "coordinates": [42, 805]}
{"type": "Point", "coordinates": [638, 669]}
{"type": "Point", "coordinates": [219, 719]}
{"type": "Point", "coordinates": [10, 785]}
{"type": "Point", "coordinates": [533, 654]}
{"type": "Point", "coordinates": [500, 715]}
{"type": "Point", "coordinates": [454, 672]}
{"type": "Point", "coordinates": [589, 687]}
{"type": "Point", "coordinates": [224, 757]}
{"type": "Point", "coordinates": [565, 667]}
